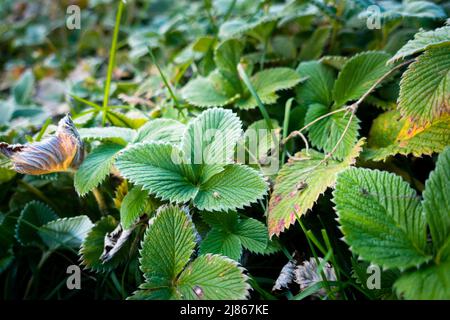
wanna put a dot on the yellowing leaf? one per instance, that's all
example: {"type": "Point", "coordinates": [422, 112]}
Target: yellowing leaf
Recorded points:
{"type": "Point", "coordinates": [300, 183]}
{"type": "Point", "coordinates": [391, 135]}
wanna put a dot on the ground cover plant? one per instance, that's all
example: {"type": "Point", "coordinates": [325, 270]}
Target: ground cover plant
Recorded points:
{"type": "Point", "coordinates": [225, 149]}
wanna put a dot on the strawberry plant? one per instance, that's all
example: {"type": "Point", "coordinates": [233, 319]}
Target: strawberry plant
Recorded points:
{"type": "Point", "coordinates": [225, 150]}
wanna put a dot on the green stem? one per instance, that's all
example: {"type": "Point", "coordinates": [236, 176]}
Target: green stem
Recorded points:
{"type": "Point", "coordinates": [164, 79]}
{"type": "Point", "coordinates": [287, 113]}
{"type": "Point", "coordinates": [112, 58]}
{"type": "Point", "coordinates": [252, 90]}
{"type": "Point", "coordinates": [44, 127]}
{"type": "Point", "coordinates": [44, 258]}
{"type": "Point", "coordinates": [38, 193]}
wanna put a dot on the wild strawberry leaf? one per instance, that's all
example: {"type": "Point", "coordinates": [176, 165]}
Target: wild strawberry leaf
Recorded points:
{"type": "Point", "coordinates": [133, 205]}
{"type": "Point", "coordinates": [428, 283]}
{"type": "Point", "coordinates": [234, 187]}
{"type": "Point", "coordinates": [159, 169]}
{"type": "Point", "coordinates": [359, 74]}
{"type": "Point", "coordinates": [425, 87]}
{"type": "Point", "coordinates": [300, 183]}
{"type": "Point", "coordinates": [163, 130]}
{"type": "Point", "coordinates": [267, 83]}
{"type": "Point", "coordinates": [165, 261]}
{"type": "Point", "coordinates": [93, 246]}
{"type": "Point", "coordinates": [436, 201]}
{"type": "Point", "coordinates": [65, 232]}
{"type": "Point", "coordinates": [381, 218]}
{"type": "Point", "coordinates": [424, 40]}
{"type": "Point", "coordinates": [229, 234]}
{"type": "Point", "coordinates": [96, 167]}
{"type": "Point", "coordinates": [113, 134]}
{"type": "Point", "coordinates": [32, 217]}
{"type": "Point", "coordinates": [391, 134]}
{"type": "Point", "coordinates": [326, 133]}
{"type": "Point", "coordinates": [318, 86]}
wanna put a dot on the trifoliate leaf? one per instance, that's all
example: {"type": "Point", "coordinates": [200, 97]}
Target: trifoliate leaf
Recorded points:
{"type": "Point", "coordinates": [358, 75]}
{"type": "Point", "coordinates": [326, 133]}
{"type": "Point", "coordinates": [33, 216]}
{"type": "Point", "coordinates": [436, 201]}
{"type": "Point", "coordinates": [267, 82]}
{"type": "Point", "coordinates": [428, 283]}
{"type": "Point", "coordinates": [167, 246]}
{"type": "Point", "coordinates": [235, 187]}
{"type": "Point", "coordinates": [222, 242]}
{"type": "Point", "coordinates": [133, 205]}
{"type": "Point", "coordinates": [425, 86]}
{"type": "Point", "coordinates": [422, 41]}
{"type": "Point", "coordinates": [93, 245]}
{"type": "Point", "coordinates": [381, 218]}
{"type": "Point", "coordinates": [65, 232]}
{"type": "Point", "coordinates": [166, 250]}
{"type": "Point", "coordinates": [114, 134]}
{"type": "Point", "coordinates": [391, 135]}
{"type": "Point", "coordinates": [318, 85]}
{"type": "Point", "coordinates": [164, 130]}
{"type": "Point", "coordinates": [96, 167]}
{"type": "Point", "coordinates": [300, 183]}
{"type": "Point", "coordinates": [159, 169]}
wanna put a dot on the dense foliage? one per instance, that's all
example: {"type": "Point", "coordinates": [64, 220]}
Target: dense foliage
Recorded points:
{"type": "Point", "coordinates": [225, 149]}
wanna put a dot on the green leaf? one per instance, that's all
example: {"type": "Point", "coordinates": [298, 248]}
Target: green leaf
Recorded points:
{"type": "Point", "coordinates": [33, 216]}
{"type": "Point", "coordinates": [227, 56]}
{"type": "Point", "coordinates": [121, 120]}
{"type": "Point", "coordinates": [222, 242]}
{"type": "Point", "coordinates": [436, 201]}
{"type": "Point", "coordinates": [164, 130]}
{"type": "Point", "coordinates": [267, 82]}
{"type": "Point", "coordinates": [229, 234]}
{"type": "Point", "coordinates": [23, 89]}
{"type": "Point", "coordinates": [96, 167]}
{"type": "Point", "coordinates": [381, 218]}
{"type": "Point", "coordinates": [358, 75]}
{"type": "Point", "coordinates": [114, 134]}
{"type": "Point", "coordinates": [7, 108]}
{"type": "Point", "coordinates": [211, 138]}
{"type": "Point", "coordinates": [300, 183]}
{"type": "Point", "coordinates": [258, 141]}
{"type": "Point", "coordinates": [319, 85]}
{"type": "Point", "coordinates": [93, 246]}
{"type": "Point", "coordinates": [391, 135]}
{"type": "Point", "coordinates": [315, 44]}
{"type": "Point", "coordinates": [425, 86]}
{"type": "Point", "coordinates": [235, 187]}
{"type": "Point", "coordinates": [428, 283]}
{"type": "Point", "coordinates": [65, 232]}
{"type": "Point", "coordinates": [213, 91]}
{"type": "Point", "coordinates": [166, 249]}
{"type": "Point", "coordinates": [326, 132]}
{"type": "Point", "coordinates": [213, 277]}
{"type": "Point", "coordinates": [422, 41]}
{"type": "Point", "coordinates": [253, 235]}
{"type": "Point", "coordinates": [133, 205]}
{"type": "Point", "coordinates": [159, 169]}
